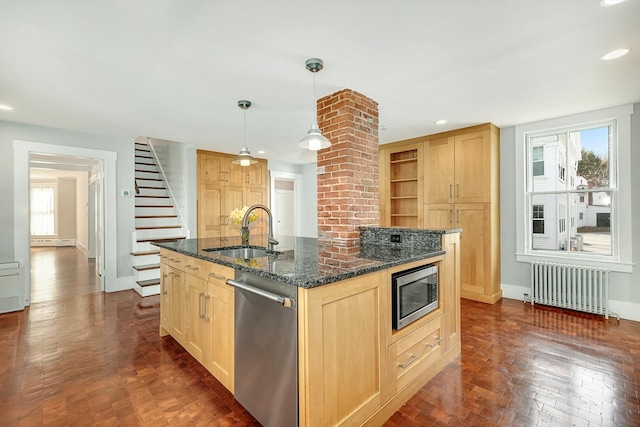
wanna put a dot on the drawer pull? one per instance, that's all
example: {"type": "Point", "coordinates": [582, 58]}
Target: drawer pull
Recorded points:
{"type": "Point", "coordinates": [435, 343]}
{"type": "Point", "coordinates": [215, 276]}
{"type": "Point", "coordinates": [191, 268]}
{"type": "Point", "coordinates": [413, 359]}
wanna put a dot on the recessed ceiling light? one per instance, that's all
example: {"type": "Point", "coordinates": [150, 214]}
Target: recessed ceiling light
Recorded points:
{"type": "Point", "coordinates": [607, 3]}
{"type": "Point", "coordinates": [5, 107]}
{"type": "Point", "coordinates": [384, 127]}
{"type": "Point", "coordinates": [440, 122]}
{"type": "Point", "coordinates": [614, 54]}
{"type": "Point", "coordinates": [261, 151]}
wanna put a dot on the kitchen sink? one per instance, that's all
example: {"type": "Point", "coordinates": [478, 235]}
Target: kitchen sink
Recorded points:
{"type": "Point", "coordinates": [244, 253]}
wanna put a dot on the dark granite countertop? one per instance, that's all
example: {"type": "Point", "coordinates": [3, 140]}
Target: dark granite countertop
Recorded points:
{"type": "Point", "coordinates": [306, 262]}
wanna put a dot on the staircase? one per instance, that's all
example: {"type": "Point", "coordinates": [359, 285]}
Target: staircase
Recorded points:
{"type": "Point", "coordinates": [156, 220]}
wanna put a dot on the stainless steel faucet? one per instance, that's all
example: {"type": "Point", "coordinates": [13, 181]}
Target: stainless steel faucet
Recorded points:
{"type": "Point", "coordinates": [245, 223]}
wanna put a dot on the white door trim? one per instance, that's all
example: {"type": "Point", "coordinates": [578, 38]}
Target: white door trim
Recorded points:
{"type": "Point", "coordinates": [297, 185]}
{"type": "Point", "coordinates": [22, 151]}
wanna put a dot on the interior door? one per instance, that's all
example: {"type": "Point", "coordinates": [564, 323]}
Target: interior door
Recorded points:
{"type": "Point", "coordinates": [285, 213]}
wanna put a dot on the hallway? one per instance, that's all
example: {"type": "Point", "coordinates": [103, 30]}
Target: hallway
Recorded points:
{"type": "Point", "coordinates": [58, 272]}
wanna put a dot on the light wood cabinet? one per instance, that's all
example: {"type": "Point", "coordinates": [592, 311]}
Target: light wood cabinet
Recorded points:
{"type": "Point", "coordinates": [219, 326]}
{"type": "Point", "coordinates": [401, 176]}
{"type": "Point", "coordinates": [223, 187]}
{"type": "Point", "coordinates": [200, 306]}
{"type": "Point", "coordinates": [342, 370]}
{"type": "Point", "coordinates": [461, 190]}
{"type": "Point", "coordinates": [196, 289]}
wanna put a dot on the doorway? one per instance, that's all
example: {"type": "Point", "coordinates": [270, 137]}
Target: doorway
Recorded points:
{"type": "Point", "coordinates": [285, 206]}
{"type": "Point", "coordinates": [107, 180]}
{"type": "Point", "coordinates": [62, 227]}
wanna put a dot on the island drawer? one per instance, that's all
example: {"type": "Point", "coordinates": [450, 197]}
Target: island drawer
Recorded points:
{"type": "Point", "coordinates": [173, 259]}
{"type": "Point", "coordinates": [412, 354]}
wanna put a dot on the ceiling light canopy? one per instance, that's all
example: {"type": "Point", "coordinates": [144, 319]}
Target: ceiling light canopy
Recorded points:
{"type": "Point", "coordinates": [244, 158]}
{"type": "Point", "coordinates": [314, 140]}
{"type": "Point", "coordinates": [614, 54]}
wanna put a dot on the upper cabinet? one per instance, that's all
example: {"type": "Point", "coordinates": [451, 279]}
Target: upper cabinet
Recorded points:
{"type": "Point", "coordinates": [224, 186]}
{"type": "Point", "coordinates": [457, 168]}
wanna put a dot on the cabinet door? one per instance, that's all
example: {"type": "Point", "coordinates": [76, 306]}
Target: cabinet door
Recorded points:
{"type": "Point", "coordinates": [165, 299]}
{"type": "Point", "coordinates": [473, 167]}
{"type": "Point", "coordinates": [257, 196]}
{"type": "Point", "coordinates": [196, 290]}
{"type": "Point", "coordinates": [233, 199]}
{"type": "Point", "coordinates": [236, 175]}
{"type": "Point", "coordinates": [475, 256]}
{"type": "Point", "coordinates": [219, 329]}
{"type": "Point", "coordinates": [439, 215]}
{"type": "Point", "coordinates": [342, 368]}
{"type": "Point", "coordinates": [211, 218]}
{"type": "Point", "coordinates": [213, 169]}
{"type": "Point", "coordinates": [450, 280]}
{"type": "Point", "coordinates": [177, 306]}
{"type": "Point", "coordinates": [439, 163]}
{"type": "Point", "coordinates": [256, 175]}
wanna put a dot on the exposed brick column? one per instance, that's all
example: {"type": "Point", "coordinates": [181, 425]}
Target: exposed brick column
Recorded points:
{"type": "Point", "coordinates": [348, 188]}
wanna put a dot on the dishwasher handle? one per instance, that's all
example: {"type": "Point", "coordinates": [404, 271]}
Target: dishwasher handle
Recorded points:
{"type": "Point", "coordinates": [284, 301]}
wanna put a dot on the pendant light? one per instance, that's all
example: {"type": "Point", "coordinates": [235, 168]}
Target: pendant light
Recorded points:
{"type": "Point", "coordinates": [314, 140]}
{"type": "Point", "coordinates": [244, 158]}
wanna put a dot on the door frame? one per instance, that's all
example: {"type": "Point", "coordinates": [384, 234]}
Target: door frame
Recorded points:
{"type": "Point", "coordinates": [297, 183]}
{"type": "Point", "coordinates": [22, 151]}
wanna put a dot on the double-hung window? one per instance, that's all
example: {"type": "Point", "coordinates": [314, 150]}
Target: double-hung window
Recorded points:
{"type": "Point", "coordinates": [575, 188]}
{"type": "Point", "coordinates": [43, 209]}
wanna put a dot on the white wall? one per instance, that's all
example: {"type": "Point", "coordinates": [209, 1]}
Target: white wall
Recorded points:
{"type": "Point", "coordinates": [624, 289]}
{"type": "Point", "coordinates": [122, 146]}
{"type": "Point", "coordinates": [309, 201]}
{"type": "Point", "coordinates": [177, 161]}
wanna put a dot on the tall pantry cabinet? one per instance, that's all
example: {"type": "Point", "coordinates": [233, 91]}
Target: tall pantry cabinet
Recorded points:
{"type": "Point", "coordinates": [223, 187]}
{"type": "Point", "coordinates": [461, 189]}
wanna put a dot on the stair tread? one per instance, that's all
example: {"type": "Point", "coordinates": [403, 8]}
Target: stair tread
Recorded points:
{"type": "Point", "coordinates": [151, 196]}
{"type": "Point", "coordinates": [141, 253]}
{"type": "Point", "coordinates": [148, 179]}
{"type": "Point", "coordinates": [143, 157]}
{"type": "Point", "coordinates": [142, 170]}
{"type": "Point", "coordinates": [149, 282]}
{"type": "Point", "coordinates": [164, 239]}
{"type": "Point", "coordinates": [159, 227]}
{"type": "Point", "coordinates": [155, 216]}
{"type": "Point", "coordinates": [146, 267]}
{"type": "Point", "coordinates": [153, 206]}
{"type": "Point", "coordinates": [151, 188]}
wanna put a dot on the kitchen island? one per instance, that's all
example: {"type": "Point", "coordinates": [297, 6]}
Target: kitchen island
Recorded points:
{"type": "Point", "coordinates": [353, 367]}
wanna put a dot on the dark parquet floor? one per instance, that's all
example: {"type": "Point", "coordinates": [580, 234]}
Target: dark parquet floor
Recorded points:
{"type": "Point", "coordinates": [97, 360]}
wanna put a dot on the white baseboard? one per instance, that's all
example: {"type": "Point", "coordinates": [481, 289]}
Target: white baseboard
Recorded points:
{"type": "Point", "coordinates": [52, 242]}
{"type": "Point", "coordinates": [624, 309]}
{"type": "Point", "coordinates": [82, 249]}
{"type": "Point", "coordinates": [120, 284]}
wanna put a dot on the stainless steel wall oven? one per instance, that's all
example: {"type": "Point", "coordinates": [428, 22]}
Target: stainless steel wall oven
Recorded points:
{"type": "Point", "coordinates": [414, 294]}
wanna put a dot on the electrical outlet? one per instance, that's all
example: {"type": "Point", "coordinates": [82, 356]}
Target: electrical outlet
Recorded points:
{"type": "Point", "coordinates": [395, 238]}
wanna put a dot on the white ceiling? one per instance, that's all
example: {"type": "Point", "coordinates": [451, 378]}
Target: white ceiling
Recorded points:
{"type": "Point", "coordinates": [176, 69]}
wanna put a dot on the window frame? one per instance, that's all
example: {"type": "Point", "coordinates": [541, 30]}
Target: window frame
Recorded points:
{"type": "Point", "coordinates": [620, 184]}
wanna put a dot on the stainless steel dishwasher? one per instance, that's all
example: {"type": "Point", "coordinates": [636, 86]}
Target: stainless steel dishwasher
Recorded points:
{"type": "Point", "coordinates": [266, 349]}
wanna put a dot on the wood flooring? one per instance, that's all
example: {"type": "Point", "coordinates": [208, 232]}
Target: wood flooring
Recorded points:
{"type": "Point", "coordinates": [97, 360]}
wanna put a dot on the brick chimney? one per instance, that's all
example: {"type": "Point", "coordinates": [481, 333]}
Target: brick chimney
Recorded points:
{"type": "Point", "coordinates": [348, 187]}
